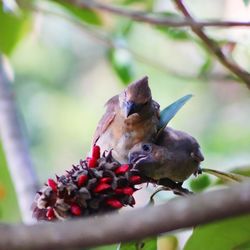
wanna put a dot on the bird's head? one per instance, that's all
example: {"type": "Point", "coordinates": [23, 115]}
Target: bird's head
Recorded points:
{"type": "Point", "coordinates": [136, 97]}
{"type": "Point", "coordinates": [183, 145]}
{"type": "Point", "coordinates": [176, 157]}
{"type": "Point", "coordinates": [146, 154]}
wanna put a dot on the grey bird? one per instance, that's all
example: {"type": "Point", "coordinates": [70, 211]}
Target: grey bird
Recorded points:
{"type": "Point", "coordinates": [175, 155]}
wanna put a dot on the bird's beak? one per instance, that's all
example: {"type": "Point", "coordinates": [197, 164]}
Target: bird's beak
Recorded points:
{"type": "Point", "coordinates": [138, 158]}
{"type": "Point", "coordinates": [197, 156]}
{"type": "Point", "coordinates": [133, 157]}
{"type": "Point", "coordinates": [130, 108]}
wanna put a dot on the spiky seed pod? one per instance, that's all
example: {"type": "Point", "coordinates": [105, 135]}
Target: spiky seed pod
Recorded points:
{"type": "Point", "coordinates": [97, 185]}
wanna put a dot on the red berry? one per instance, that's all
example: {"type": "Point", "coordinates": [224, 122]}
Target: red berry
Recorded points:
{"type": "Point", "coordinates": [92, 162]}
{"type": "Point", "coordinates": [105, 180]}
{"type": "Point", "coordinates": [81, 180]}
{"type": "Point", "coordinates": [75, 209]}
{"type": "Point", "coordinates": [52, 184]}
{"type": "Point", "coordinates": [132, 201]}
{"type": "Point", "coordinates": [125, 190]}
{"type": "Point", "coordinates": [136, 179]}
{"type": "Point", "coordinates": [128, 190]}
{"type": "Point", "coordinates": [50, 213]}
{"type": "Point", "coordinates": [96, 152]}
{"type": "Point", "coordinates": [101, 187]}
{"type": "Point", "coordinates": [122, 169]}
{"type": "Point", "coordinates": [114, 203]}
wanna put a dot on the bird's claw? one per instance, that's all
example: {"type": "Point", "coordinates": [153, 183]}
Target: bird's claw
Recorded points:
{"type": "Point", "coordinates": [170, 185]}
{"type": "Point", "coordinates": [182, 191]}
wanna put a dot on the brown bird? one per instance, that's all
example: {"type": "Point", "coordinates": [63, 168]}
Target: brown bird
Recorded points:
{"type": "Point", "coordinates": [176, 155]}
{"type": "Point", "coordinates": [131, 117]}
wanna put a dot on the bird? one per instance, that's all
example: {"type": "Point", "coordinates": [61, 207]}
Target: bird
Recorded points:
{"type": "Point", "coordinates": [175, 156]}
{"type": "Point", "coordinates": [131, 117]}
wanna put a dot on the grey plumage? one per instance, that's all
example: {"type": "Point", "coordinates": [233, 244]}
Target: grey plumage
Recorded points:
{"type": "Point", "coordinates": [175, 155]}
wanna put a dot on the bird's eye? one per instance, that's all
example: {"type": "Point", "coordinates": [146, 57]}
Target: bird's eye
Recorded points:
{"type": "Point", "coordinates": [146, 148]}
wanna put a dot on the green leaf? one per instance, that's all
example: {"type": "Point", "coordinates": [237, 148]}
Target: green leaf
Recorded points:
{"type": "Point", "coordinates": [245, 170]}
{"type": "Point", "coordinates": [123, 29]}
{"type": "Point", "coordinates": [200, 183]}
{"type": "Point", "coordinates": [240, 171]}
{"type": "Point", "coordinates": [83, 14]}
{"type": "Point", "coordinates": [225, 177]}
{"type": "Point", "coordinates": [246, 2]}
{"type": "Point", "coordinates": [147, 3]}
{"type": "Point", "coordinates": [121, 62]}
{"type": "Point", "coordinates": [12, 29]}
{"type": "Point", "coordinates": [170, 111]}
{"type": "Point", "coordinates": [243, 246]}
{"type": "Point", "coordinates": [133, 1]}
{"type": "Point", "coordinates": [224, 235]}
{"type": "Point", "coordinates": [109, 247]}
{"type": "Point", "coordinates": [147, 244]}
{"type": "Point", "coordinates": [174, 33]}
{"type": "Point", "coordinates": [206, 66]}
{"type": "Point", "coordinates": [9, 211]}
{"type": "Point", "coordinates": [119, 57]}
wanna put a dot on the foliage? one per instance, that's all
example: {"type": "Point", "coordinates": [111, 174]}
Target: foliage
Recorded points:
{"type": "Point", "coordinates": [173, 33]}
{"type": "Point", "coordinates": [246, 2]}
{"type": "Point", "coordinates": [54, 105]}
{"type": "Point", "coordinates": [14, 28]}
{"type": "Point", "coordinates": [121, 62]}
{"type": "Point", "coordinates": [8, 203]}
{"type": "Point", "coordinates": [224, 235]}
{"type": "Point", "coordinates": [84, 15]}
{"type": "Point", "coordinates": [200, 183]}
{"type": "Point", "coordinates": [147, 244]}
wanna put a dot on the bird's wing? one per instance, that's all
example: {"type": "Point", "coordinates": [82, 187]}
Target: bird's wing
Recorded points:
{"type": "Point", "coordinates": [107, 118]}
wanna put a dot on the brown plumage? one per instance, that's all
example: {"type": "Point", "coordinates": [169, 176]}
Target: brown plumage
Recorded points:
{"type": "Point", "coordinates": [131, 117]}
{"type": "Point", "coordinates": [176, 155]}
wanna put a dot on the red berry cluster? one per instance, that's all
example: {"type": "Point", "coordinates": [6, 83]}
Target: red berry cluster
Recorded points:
{"type": "Point", "coordinates": [96, 185]}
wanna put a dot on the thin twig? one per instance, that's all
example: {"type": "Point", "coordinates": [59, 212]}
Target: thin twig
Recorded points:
{"type": "Point", "coordinates": [214, 47]}
{"type": "Point", "coordinates": [105, 39]}
{"type": "Point", "coordinates": [176, 188]}
{"type": "Point", "coordinates": [153, 18]}
{"type": "Point", "coordinates": [15, 147]}
{"type": "Point", "coordinates": [176, 214]}
{"type": "Point", "coordinates": [243, 75]}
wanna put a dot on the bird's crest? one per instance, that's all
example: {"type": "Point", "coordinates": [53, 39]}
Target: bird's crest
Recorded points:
{"type": "Point", "coordinates": [139, 91]}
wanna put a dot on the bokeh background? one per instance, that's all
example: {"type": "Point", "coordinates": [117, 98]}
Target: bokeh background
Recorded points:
{"type": "Point", "coordinates": [66, 69]}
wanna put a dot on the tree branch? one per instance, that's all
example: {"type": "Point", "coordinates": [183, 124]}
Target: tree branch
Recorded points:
{"type": "Point", "coordinates": [214, 47]}
{"type": "Point", "coordinates": [15, 147]}
{"type": "Point", "coordinates": [139, 16]}
{"type": "Point", "coordinates": [132, 225]}
{"type": "Point", "coordinates": [104, 38]}
{"type": "Point", "coordinates": [152, 18]}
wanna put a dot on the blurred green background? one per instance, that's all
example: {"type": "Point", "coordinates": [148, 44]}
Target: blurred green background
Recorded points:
{"type": "Point", "coordinates": [68, 65]}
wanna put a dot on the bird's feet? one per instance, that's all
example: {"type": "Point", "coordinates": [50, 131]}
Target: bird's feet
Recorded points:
{"type": "Point", "coordinates": [176, 188]}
